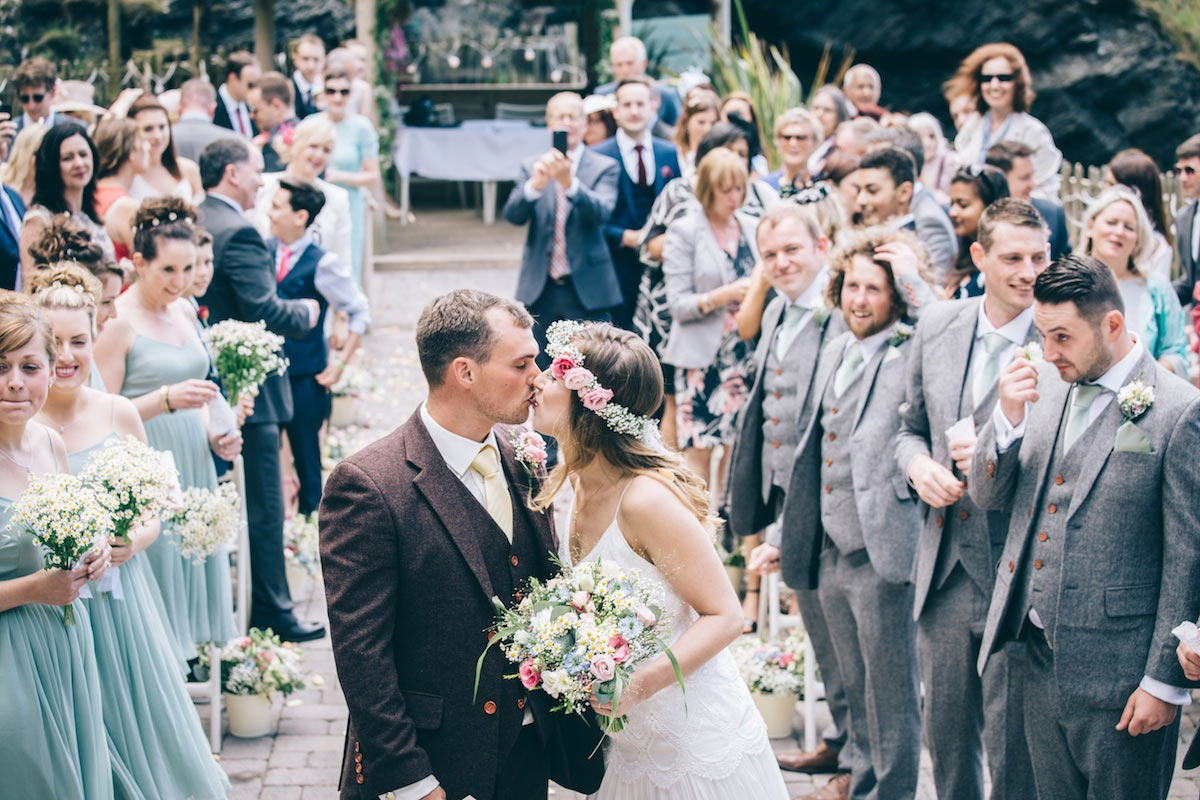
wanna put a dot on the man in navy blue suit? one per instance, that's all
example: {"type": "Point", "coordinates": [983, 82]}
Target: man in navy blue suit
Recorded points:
{"type": "Point", "coordinates": [1015, 160]}
{"type": "Point", "coordinates": [12, 211]}
{"type": "Point", "coordinates": [647, 164]}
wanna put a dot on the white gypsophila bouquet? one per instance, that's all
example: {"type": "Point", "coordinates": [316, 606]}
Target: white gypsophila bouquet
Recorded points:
{"type": "Point", "coordinates": [300, 543]}
{"type": "Point", "coordinates": [582, 631]}
{"type": "Point", "coordinates": [245, 355]}
{"type": "Point", "coordinates": [259, 663]}
{"type": "Point", "coordinates": [355, 382]}
{"type": "Point", "coordinates": [772, 667]}
{"type": "Point", "coordinates": [133, 481]}
{"type": "Point", "coordinates": [205, 521]}
{"type": "Point", "coordinates": [65, 516]}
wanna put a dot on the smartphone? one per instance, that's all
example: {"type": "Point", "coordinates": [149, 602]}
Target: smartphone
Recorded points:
{"type": "Point", "coordinates": [6, 109]}
{"type": "Point", "coordinates": [560, 141]}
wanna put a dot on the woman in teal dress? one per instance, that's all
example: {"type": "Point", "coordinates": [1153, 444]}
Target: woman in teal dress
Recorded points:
{"type": "Point", "coordinates": [52, 742]}
{"type": "Point", "coordinates": [153, 353]}
{"type": "Point", "coordinates": [156, 744]}
{"type": "Point", "coordinates": [1117, 231]}
{"type": "Point", "coordinates": [354, 165]}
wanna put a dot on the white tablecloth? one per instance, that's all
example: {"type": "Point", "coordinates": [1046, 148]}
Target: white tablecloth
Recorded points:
{"type": "Point", "coordinates": [477, 150]}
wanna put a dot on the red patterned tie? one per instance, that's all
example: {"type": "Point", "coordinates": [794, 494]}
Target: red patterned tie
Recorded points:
{"type": "Point", "coordinates": [242, 122]}
{"type": "Point", "coordinates": [559, 266]}
{"type": "Point", "coordinates": [638, 148]}
{"type": "Point", "coordinates": [285, 258]}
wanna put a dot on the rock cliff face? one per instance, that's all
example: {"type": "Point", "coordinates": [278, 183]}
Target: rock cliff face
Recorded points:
{"type": "Point", "coordinates": [1107, 76]}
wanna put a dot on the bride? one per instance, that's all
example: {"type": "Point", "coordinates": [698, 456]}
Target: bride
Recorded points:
{"type": "Point", "coordinates": [638, 505]}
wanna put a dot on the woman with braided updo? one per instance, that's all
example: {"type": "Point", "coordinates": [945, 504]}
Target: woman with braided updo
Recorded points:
{"type": "Point", "coordinates": [152, 354]}
{"type": "Point", "coordinates": [66, 239]}
{"type": "Point", "coordinates": [155, 740]}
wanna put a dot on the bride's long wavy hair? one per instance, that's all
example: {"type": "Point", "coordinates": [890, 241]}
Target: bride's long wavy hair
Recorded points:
{"type": "Point", "coordinates": [627, 366]}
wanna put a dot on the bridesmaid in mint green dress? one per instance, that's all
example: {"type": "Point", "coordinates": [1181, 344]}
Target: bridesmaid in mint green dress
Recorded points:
{"type": "Point", "coordinates": [52, 742]}
{"type": "Point", "coordinates": [153, 353]}
{"type": "Point", "coordinates": [156, 744]}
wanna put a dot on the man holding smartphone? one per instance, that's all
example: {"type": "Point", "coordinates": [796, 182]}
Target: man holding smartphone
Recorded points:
{"type": "Point", "coordinates": [565, 195]}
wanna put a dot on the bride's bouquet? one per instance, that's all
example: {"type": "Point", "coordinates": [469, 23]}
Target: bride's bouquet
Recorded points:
{"type": "Point", "coordinates": [581, 632]}
{"type": "Point", "coordinates": [133, 482]}
{"type": "Point", "coordinates": [245, 355]}
{"type": "Point", "coordinates": [205, 521]}
{"type": "Point", "coordinates": [65, 516]}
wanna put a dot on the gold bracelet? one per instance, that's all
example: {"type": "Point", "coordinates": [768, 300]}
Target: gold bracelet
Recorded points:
{"type": "Point", "coordinates": [163, 402]}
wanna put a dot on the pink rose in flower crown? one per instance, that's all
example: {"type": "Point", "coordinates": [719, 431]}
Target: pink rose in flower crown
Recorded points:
{"type": "Point", "coordinates": [596, 399]}
{"type": "Point", "coordinates": [529, 674]}
{"type": "Point", "coordinates": [561, 366]}
{"type": "Point", "coordinates": [620, 648]}
{"type": "Point", "coordinates": [645, 616]}
{"type": "Point", "coordinates": [604, 667]}
{"type": "Point", "coordinates": [578, 378]}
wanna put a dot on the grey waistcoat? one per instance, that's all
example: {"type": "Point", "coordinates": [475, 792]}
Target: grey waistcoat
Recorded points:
{"type": "Point", "coordinates": [780, 409]}
{"type": "Point", "coordinates": [839, 512]}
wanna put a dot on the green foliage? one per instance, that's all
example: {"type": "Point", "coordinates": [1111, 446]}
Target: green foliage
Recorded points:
{"type": "Point", "coordinates": [1181, 21]}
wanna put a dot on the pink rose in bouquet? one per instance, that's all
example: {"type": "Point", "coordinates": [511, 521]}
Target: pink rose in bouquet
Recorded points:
{"type": "Point", "coordinates": [529, 674]}
{"type": "Point", "coordinates": [604, 667]}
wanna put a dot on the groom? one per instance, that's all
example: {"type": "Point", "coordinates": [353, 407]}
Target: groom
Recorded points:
{"type": "Point", "coordinates": [419, 532]}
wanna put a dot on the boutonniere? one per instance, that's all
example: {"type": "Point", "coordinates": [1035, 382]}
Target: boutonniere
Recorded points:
{"type": "Point", "coordinates": [667, 173]}
{"type": "Point", "coordinates": [202, 313]}
{"type": "Point", "coordinates": [530, 450]}
{"type": "Point", "coordinates": [1135, 399]}
{"type": "Point", "coordinates": [900, 334]}
{"type": "Point", "coordinates": [820, 314]}
{"type": "Point", "coordinates": [1031, 352]}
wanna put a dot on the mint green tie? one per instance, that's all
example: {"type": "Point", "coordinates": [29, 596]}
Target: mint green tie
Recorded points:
{"type": "Point", "coordinates": [852, 366]}
{"type": "Point", "coordinates": [788, 329]}
{"type": "Point", "coordinates": [989, 370]}
{"type": "Point", "coordinates": [1077, 421]}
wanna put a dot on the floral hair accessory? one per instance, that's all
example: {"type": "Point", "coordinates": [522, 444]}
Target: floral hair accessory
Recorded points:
{"type": "Point", "coordinates": [567, 366]}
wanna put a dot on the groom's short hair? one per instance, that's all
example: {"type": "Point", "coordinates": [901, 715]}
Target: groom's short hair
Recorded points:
{"type": "Point", "coordinates": [456, 324]}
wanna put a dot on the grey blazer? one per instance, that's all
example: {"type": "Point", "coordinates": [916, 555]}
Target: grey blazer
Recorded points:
{"type": "Point", "coordinates": [1185, 284]}
{"type": "Point", "coordinates": [745, 507]}
{"type": "Point", "coordinates": [592, 271]}
{"type": "Point", "coordinates": [935, 230]}
{"type": "Point", "coordinates": [1131, 564]}
{"type": "Point", "coordinates": [693, 263]}
{"type": "Point", "coordinates": [886, 509]}
{"type": "Point", "coordinates": [191, 136]}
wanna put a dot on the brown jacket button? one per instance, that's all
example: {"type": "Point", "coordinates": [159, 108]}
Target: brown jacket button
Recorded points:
{"type": "Point", "coordinates": [832, 436]}
{"type": "Point", "coordinates": [514, 561]}
{"type": "Point", "coordinates": [774, 420]}
{"type": "Point", "coordinates": [1058, 480]}
{"type": "Point", "coordinates": [521, 702]}
{"type": "Point", "coordinates": [833, 410]}
{"type": "Point", "coordinates": [778, 395]}
{"type": "Point", "coordinates": [778, 372]}
{"type": "Point", "coordinates": [1052, 508]}
{"type": "Point", "coordinates": [991, 469]}
{"type": "Point", "coordinates": [828, 489]}
{"type": "Point", "coordinates": [358, 768]}
{"type": "Point", "coordinates": [359, 778]}
{"type": "Point", "coordinates": [938, 522]}
{"type": "Point", "coordinates": [1043, 536]}
{"type": "Point", "coordinates": [775, 445]}
{"type": "Point", "coordinates": [358, 758]}
{"type": "Point", "coordinates": [1011, 566]}
{"type": "Point", "coordinates": [829, 462]}
{"type": "Point", "coordinates": [963, 515]}
{"type": "Point", "coordinates": [1037, 564]}
{"type": "Point", "coordinates": [491, 635]}
{"type": "Point", "coordinates": [356, 747]}
{"type": "Point", "coordinates": [489, 708]}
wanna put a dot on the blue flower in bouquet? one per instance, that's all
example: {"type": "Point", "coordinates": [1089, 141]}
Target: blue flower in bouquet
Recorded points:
{"type": "Point", "coordinates": [630, 627]}
{"type": "Point", "coordinates": [575, 662]}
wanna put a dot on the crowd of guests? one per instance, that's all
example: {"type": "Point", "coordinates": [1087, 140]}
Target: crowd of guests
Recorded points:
{"type": "Point", "coordinates": [124, 233]}
{"type": "Point", "coordinates": [770, 294]}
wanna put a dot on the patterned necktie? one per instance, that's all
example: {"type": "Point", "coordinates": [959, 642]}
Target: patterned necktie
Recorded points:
{"type": "Point", "coordinates": [1077, 421]}
{"type": "Point", "coordinates": [497, 500]}
{"type": "Point", "coordinates": [242, 122]}
{"type": "Point", "coordinates": [285, 258]}
{"type": "Point", "coordinates": [989, 370]}
{"type": "Point", "coordinates": [851, 368]}
{"type": "Point", "coordinates": [642, 180]}
{"type": "Point", "coordinates": [789, 328]}
{"type": "Point", "coordinates": [559, 266]}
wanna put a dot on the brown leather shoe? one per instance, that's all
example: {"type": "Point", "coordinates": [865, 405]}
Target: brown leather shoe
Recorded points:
{"type": "Point", "coordinates": [823, 759]}
{"type": "Point", "coordinates": [838, 788]}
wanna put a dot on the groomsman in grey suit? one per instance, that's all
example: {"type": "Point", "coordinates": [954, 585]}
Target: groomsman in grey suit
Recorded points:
{"type": "Point", "coordinates": [850, 524]}
{"type": "Point", "coordinates": [796, 324]}
{"type": "Point", "coordinates": [1098, 463]}
{"type": "Point", "coordinates": [956, 356]}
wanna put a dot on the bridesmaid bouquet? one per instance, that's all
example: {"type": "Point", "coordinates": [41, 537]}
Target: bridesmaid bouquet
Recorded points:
{"type": "Point", "coordinates": [133, 481]}
{"type": "Point", "coordinates": [581, 632]}
{"type": "Point", "coordinates": [65, 516]}
{"type": "Point", "coordinates": [205, 521]}
{"type": "Point", "coordinates": [245, 355]}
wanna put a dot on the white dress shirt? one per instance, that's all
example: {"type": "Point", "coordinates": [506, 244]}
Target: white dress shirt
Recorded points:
{"type": "Point", "coordinates": [532, 194]}
{"type": "Point", "coordinates": [629, 156]}
{"type": "Point", "coordinates": [872, 344]}
{"type": "Point", "coordinates": [234, 107]}
{"type": "Point", "coordinates": [810, 298]}
{"type": "Point", "coordinates": [1007, 435]}
{"type": "Point", "coordinates": [335, 283]}
{"type": "Point", "coordinates": [1016, 331]}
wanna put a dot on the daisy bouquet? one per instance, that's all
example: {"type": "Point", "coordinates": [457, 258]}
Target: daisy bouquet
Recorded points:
{"type": "Point", "coordinates": [772, 667]}
{"type": "Point", "coordinates": [258, 663]}
{"type": "Point", "coordinates": [133, 482]}
{"type": "Point", "coordinates": [245, 354]}
{"type": "Point", "coordinates": [582, 632]}
{"type": "Point", "coordinates": [65, 516]}
{"type": "Point", "coordinates": [205, 520]}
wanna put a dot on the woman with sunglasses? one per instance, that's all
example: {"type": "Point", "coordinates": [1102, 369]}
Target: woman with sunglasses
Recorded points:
{"type": "Point", "coordinates": [998, 78]}
{"type": "Point", "coordinates": [354, 165]}
{"type": "Point", "coordinates": [797, 133]}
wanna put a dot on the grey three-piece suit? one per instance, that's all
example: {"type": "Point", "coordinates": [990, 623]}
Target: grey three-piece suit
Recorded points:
{"type": "Point", "coordinates": [850, 520]}
{"type": "Point", "coordinates": [1103, 545]}
{"type": "Point", "coordinates": [769, 428]}
{"type": "Point", "coordinates": [954, 572]}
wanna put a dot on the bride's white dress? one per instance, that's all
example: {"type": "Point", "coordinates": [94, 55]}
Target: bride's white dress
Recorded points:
{"type": "Point", "coordinates": [715, 750]}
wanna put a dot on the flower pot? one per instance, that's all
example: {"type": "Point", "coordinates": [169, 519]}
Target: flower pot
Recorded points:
{"type": "Point", "coordinates": [777, 711]}
{"type": "Point", "coordinates": [249, 715]}
{"type": "Point", "coordinates": [735, 577]}
{"type": "Point", "coordinates": [297, 579]}
{"type": "Point", "coordinates": [344, 411]}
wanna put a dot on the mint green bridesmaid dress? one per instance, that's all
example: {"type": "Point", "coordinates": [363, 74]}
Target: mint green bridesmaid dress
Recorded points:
{"type": "Point", "coordinates": [198, 597]}
{"type": "Point", "coordinates": [155, 740]}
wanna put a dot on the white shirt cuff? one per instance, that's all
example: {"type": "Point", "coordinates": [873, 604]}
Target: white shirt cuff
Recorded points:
{"type": "Point", "coordinates": [573, 189]}
{"type": "Point", "coordinates": [414, 791]}
{"type": "Point", "coordinates": [531, 193]}
{"type": "Point", "coordinates": [1006, 433]}
{"type": "Point", "coordinates": [1166, 693]}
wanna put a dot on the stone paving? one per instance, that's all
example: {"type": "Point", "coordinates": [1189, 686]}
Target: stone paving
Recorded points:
{"type": "Point", "coordinates": [301, 761]}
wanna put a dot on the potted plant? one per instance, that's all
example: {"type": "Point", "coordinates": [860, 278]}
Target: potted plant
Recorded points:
{"type": "Point", "coordinates": [353, 385]}
{"type": "Point", "coordinates": [774, 672]}
{"type": "Point", "coordinates": [735, 567]}
{"type": "Point", "coordinates": [300, 551]}
{"type": "Point", "coordinates": [254, 668]}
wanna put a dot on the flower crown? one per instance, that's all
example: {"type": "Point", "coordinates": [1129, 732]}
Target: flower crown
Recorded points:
{"type": "Point", "coordinates": [170, 216]}
{"type": "Point", "coordinates": [567, 366]}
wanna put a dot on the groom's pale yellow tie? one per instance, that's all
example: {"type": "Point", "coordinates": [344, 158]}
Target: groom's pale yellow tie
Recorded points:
{"type": "Point", "coordinates": [495, 493]}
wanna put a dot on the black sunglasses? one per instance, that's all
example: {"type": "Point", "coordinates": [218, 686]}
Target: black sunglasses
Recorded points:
{"type": "Point", "coordinates": [1186, 170]}
{"type": "Point", "coordinates": [794, 137]}
{"type": "Point", "coordinates": [342, 92]}
{"type": "Point", "coordinates": [1003, 77]}
{"type": "Point", "coordinates": [32, 98]}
